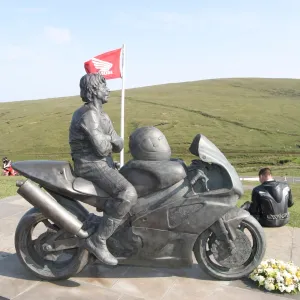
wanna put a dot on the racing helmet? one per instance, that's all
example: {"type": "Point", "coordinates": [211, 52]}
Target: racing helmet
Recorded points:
{"type": "Point", "coordinates": [149, 143]}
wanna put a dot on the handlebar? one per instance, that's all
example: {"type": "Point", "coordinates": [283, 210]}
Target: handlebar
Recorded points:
{"type": "Point", "coordinates": [200, 175]}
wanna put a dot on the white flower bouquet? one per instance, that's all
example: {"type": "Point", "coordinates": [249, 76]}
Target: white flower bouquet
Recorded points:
{"type": "Point", "coordinates": [276, 275]}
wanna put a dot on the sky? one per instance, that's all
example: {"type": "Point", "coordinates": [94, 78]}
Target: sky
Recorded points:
{"type": "Point", "coordinates": [44, 44]}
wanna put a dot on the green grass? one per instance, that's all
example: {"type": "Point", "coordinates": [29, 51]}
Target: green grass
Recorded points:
{"type": "Point", "coordinates": [8, 186]}
{"type": "Point", "coordinates": [255, 122]}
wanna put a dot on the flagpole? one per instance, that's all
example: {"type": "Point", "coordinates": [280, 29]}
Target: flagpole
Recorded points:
{"type": "Point", "coordinates": [123, 105]}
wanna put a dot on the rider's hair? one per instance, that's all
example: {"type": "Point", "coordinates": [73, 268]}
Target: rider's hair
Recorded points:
{"type": "Point", "coordinates": [265, 172]}
{"type": "Point", "coordinates": [89, 84]}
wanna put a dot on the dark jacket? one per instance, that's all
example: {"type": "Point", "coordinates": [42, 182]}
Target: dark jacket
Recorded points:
{"type": "Point", "coordinates": [92, 135]}
{"type": "Point", "coordinates": [270, 202]}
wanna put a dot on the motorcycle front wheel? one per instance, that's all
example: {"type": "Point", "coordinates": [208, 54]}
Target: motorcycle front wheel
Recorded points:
{"type": "Point", "coordinates": [32, 231]}
{"type": "Point", "coordinates": [250, 246]}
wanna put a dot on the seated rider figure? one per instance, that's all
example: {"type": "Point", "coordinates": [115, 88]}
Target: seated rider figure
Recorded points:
{"type": "Point", "coordinates": [270, 201]}
{"type": "Point", "coordinates": [92, 140]}
{"type": "Point", "coordinates": [6, 163]}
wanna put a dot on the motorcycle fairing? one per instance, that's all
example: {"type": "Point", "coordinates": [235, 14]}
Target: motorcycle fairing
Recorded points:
{"type": "Point", "coordinates": [168, 234]}
{"type": "Point", "coordinates": [165, 226]}
{"type": "Point", "coordinates": [161, 248]}
{"type": "Point", "coordinates": [190, 215]}
{"type": "Point", "coordinates": [208, 152]}
{"type": "Point", "coordinates": [179, 218]}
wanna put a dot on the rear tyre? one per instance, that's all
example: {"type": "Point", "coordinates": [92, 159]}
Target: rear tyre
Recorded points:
{"type": "Point", "coordinates": [45, 265]}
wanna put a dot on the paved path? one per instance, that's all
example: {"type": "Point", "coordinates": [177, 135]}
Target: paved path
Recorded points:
{"type": "Point", "coordinates": [125, 283]}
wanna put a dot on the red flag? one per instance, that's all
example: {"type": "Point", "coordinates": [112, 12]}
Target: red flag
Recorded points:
{"type": "Point", "coordinates": [109, 64]}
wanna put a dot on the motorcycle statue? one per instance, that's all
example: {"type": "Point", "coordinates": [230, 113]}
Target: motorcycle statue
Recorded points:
{"type": "Point", "coordinates": [180, 211]}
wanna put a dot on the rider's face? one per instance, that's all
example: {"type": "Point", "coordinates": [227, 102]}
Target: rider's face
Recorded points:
{"type": "Point", "coordinates": [103, 92]}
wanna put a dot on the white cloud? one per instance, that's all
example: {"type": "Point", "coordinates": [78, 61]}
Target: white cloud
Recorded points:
{"type": "Point", "coordinates": [58, 35]}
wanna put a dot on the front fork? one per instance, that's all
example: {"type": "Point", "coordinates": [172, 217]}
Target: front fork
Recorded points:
{"type": "Point", "coordinates": [225, 228]}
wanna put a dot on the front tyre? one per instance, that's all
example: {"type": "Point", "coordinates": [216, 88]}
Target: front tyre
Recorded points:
{"type": "Point", "coordinates": [247, 256]}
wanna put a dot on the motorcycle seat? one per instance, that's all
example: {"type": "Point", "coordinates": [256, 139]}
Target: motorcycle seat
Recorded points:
{"type": "Point", "coordinates": [87, 187]}
{"type": "Point", "coordinates": [151, 176]}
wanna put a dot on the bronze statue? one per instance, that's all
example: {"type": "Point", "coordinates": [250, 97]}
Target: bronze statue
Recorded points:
{"type": "Point", "coordinates": [156, 209]}
{"type": "Point", "coordinates": [92, 140]}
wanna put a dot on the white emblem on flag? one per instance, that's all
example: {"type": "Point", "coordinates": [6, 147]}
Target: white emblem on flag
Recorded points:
{"type": "Point", "coordinates": [102, 65]}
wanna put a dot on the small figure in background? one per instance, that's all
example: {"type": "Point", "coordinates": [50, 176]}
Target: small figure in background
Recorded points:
{"type": "Point", "coordinates": [270, 201]}
{"type": "Point", "coordinates": [7, 168]}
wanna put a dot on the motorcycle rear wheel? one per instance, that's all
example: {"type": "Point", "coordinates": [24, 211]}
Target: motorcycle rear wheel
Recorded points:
{"type": "Point", "coordinates": [203, 255]}
{"type": "Point", "coordinates": [32, 256]}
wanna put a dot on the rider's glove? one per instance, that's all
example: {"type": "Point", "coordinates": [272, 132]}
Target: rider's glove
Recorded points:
{"type": "Point", "coordinates": [117, 145]}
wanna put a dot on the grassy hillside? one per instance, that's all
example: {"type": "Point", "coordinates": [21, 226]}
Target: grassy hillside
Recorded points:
{"type": "Point", "coordinates": [255, 122]}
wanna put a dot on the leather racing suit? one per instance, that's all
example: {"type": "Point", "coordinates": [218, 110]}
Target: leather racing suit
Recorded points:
{"type": "Point", "coordinates": [270, 202]}
{"type": "Point", "coordinates": [92, 140]}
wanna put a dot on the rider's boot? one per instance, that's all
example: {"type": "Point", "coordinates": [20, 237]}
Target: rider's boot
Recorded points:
{"type": "Point", "coordinates": [96, 243]}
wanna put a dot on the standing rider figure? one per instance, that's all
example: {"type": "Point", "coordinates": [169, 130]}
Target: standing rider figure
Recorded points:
{"type": "Point", "coordinates": [92, 140]}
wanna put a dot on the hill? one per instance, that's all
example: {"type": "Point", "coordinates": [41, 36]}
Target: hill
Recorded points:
{"type": "Point", "coordinates": [255, 122]}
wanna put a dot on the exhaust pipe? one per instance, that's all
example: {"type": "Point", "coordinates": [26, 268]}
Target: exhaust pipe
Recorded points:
{"type": "Point", "coordinates": [51, 208]}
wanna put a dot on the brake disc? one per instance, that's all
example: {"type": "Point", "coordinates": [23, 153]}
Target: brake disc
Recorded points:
{"type": "Point", "coordinates": [235, 258]}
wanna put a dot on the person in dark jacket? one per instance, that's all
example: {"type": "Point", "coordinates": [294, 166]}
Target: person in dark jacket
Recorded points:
{"type": "Point", "coordinates": [92, 140]}
{"type": "Point", "coordinates": [270, 201]}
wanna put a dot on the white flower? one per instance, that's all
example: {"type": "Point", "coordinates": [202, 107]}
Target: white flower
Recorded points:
{"type": "Point", "coordinates": [270, 271]}
{"type": "Point", "coordinates": [279, 278]}
{"type": "Point", "coordinates": [290, 288]}
{"type": "Point", "coordinates": [261, 279]}
{"type": "Point", "coordinates": [292, 269]}
{"type": "Point", "coordinates": [286, 274]}
{"type": "Point", "coordinates": [263, 265]}
{"type": "Point", "coordinates": [269, 280]}
{"type": "Point", "coordinates": [254, 277]}
{"type": "Point", "coordinates": [281, 287]}
{"type": "Point", "coordinates": [270, 286]}
{"type": "Point", "coordinates": [277, 275]}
